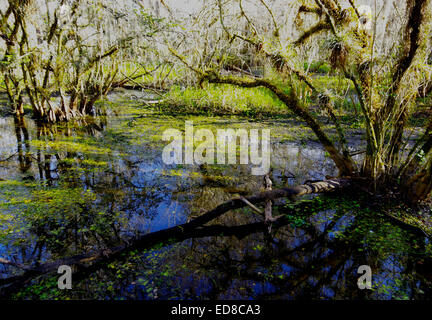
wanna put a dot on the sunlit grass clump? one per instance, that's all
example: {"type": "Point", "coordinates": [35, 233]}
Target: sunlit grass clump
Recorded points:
{"type": "Point", "coordinates": [225, 99]}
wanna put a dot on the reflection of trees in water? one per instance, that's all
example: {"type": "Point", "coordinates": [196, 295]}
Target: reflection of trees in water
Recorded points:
{"type": "Point", "coordinates": [257, 261]}
{"type": "Point", "coordinates": [121, 193]}
{"type": "Point", "coordinates": [297, 263]}
{"type": "Point", "coordinates": [244, 261]}
{"type": "Point", "coordinates": [55, 230]}
{"type": "Point", "coordinates": [309, 263]}
{"type": "Point", "coordinates": [23, 144]}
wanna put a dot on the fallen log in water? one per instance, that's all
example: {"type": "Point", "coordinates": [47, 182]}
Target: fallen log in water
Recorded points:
{"type": "Point", "coordinates": [92, 261]}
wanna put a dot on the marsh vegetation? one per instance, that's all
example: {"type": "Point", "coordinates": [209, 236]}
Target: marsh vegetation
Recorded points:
{"type": "Point", "coordinates": [89, 87]}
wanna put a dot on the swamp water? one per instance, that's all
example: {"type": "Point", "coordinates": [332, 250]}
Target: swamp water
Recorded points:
{"type": "Point", "coordinates": [72, 189]}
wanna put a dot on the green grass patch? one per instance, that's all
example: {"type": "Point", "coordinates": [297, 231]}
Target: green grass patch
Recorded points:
{"type": "Point", "coordinates": [225, 99]}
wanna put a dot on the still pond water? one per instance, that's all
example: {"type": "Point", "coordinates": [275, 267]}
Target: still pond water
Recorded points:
{"type": "Point", "coordinates": [70, 189]}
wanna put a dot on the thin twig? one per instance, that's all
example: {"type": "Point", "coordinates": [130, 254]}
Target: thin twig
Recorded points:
{"type": "Point", "coordinates": [8, 158]}
{"type": "Point", "coordinates": [251, 205]}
